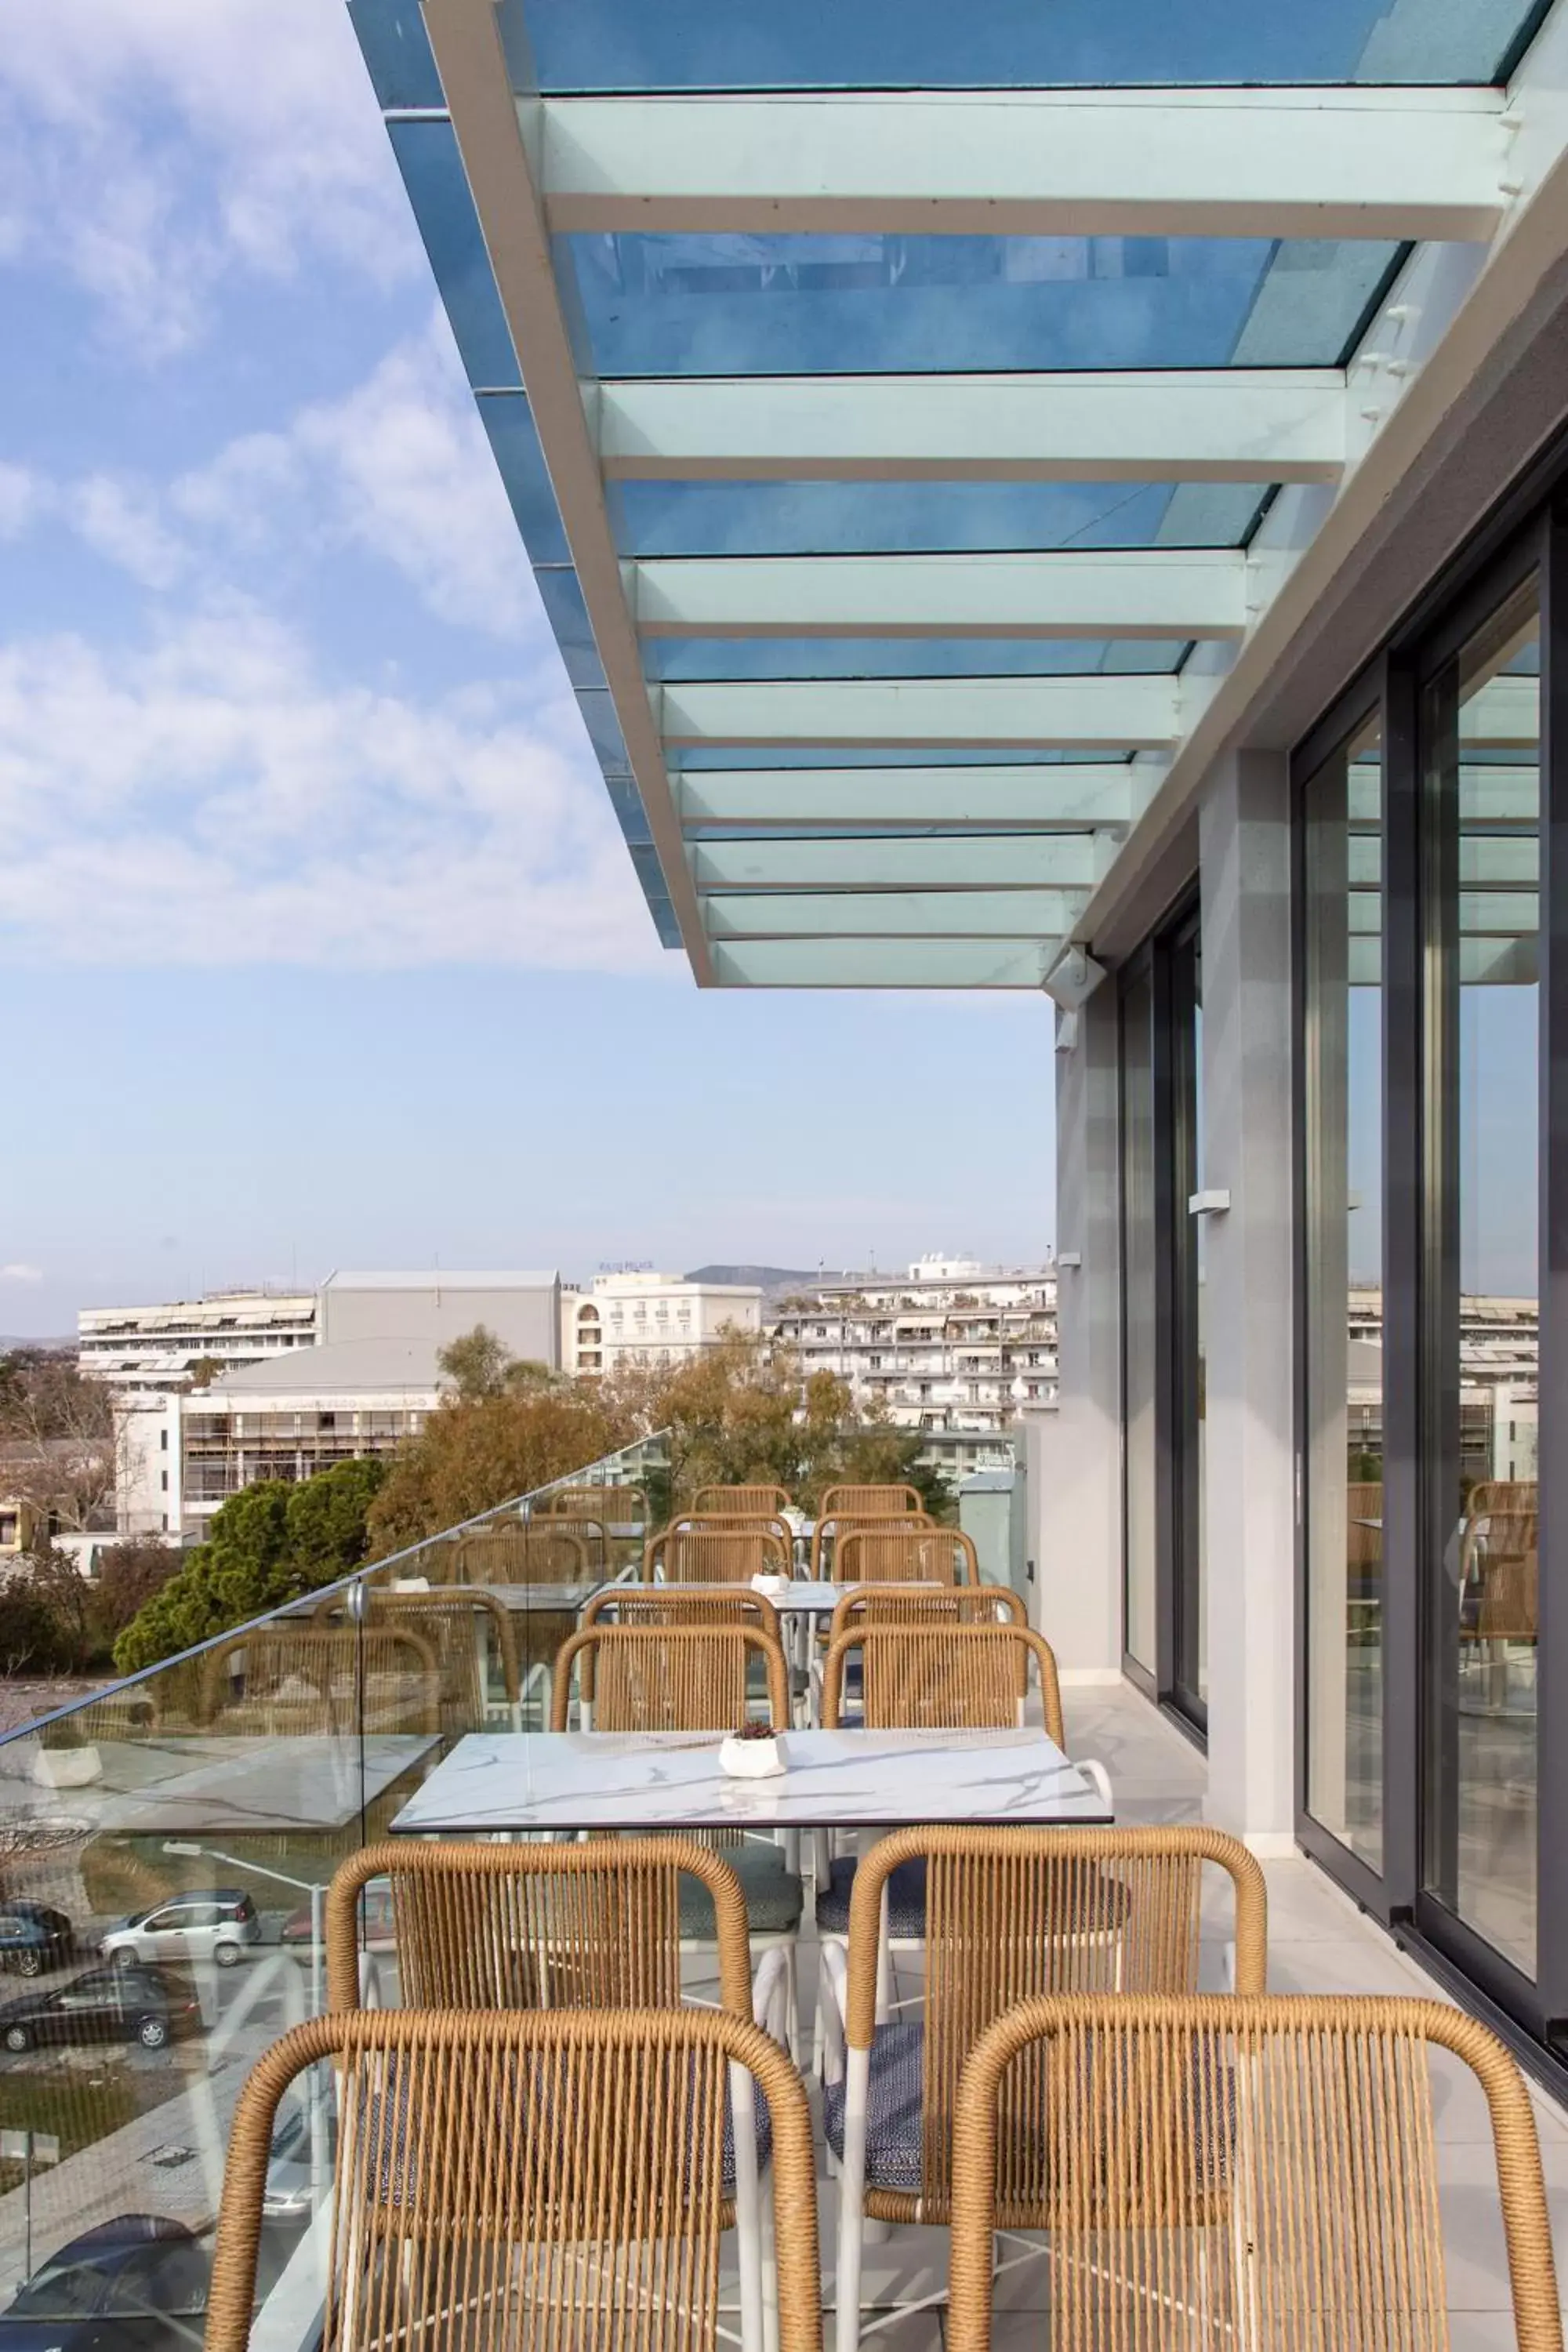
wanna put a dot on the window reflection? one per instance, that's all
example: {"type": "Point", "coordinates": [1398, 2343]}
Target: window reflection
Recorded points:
{"type": "Point", "coordinates": [1483, 815]}
{"type": "Point", "coordinates": [1344, 1127]}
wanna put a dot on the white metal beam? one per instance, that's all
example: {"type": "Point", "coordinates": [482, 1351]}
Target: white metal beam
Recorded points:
{"type": "Point", "coordinates": [979, 861]}
{"type": "Point", "coordinates": [466, 46]}
{"type": "Point", "coordinates": [1065, 714]}
{"type": "Point", "coordinates": [895, 914]}
{"type": "Point", "coordinates": [1140, 592]}
{"type": "Point", "coordinates": [1088, 794]}
{"type": "Point", "coordinates": [1202, 424]}
{"type": "Point", "coordinates": [881, 964]}
{"type": "Point", "coordinates": [1334, 162]}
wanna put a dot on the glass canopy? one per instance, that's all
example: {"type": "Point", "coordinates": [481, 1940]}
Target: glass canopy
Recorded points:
{"type": "Point", "coordinates": [905, 417]}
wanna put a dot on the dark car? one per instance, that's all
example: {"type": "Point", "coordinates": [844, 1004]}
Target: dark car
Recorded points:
{"type": "Point", "coordinates": [31, 1937]}
{"type": "Point", "coordinates": [138, 2284]}
{"type": "Point", "coordinates": [115, 2004]}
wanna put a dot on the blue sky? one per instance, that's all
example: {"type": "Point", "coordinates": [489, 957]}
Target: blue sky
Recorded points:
{"type": "Point", "coordinates": [318, 942]}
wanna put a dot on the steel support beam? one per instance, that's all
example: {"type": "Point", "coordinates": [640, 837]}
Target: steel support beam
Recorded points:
{"type": "Point", "coordinates": [1161, 593]}
{"type": "Point", "coordinates": [1141, 714]}
{"type": "Point", "coordinates": [1296, 162]}
{"type": "Point", "coordinates": [466, 46]}
{"type": "Point", "coordinates": [1182, 424]}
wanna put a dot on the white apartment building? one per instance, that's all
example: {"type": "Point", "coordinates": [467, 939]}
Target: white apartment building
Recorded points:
{"type": "Point", "coordinates": [151, 1350]}
{"type": "Point", "coordinates": [950, 1345]}
{"type": "Point", "coordinates": [652, 1318]}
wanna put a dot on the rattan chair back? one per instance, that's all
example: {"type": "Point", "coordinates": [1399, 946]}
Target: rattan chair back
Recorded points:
{"type": "Point", "coordinates": [670, 1678]}
{"type": "Point", "coordinates": [464, 1624]}
{"type": "Point", "coordinates": [904, 1555]}
{"type": "Point", "coordinates": [517, 1553]}
{"type": "Point", "coordinates": [718, 1551]}
{"type": "Point", "coordinates": [1250, 2173]}
{"type": "Point", "coordinates": [1499, 1561]}
{"type": "Point", "coordinates": [538, 1927]}
{"type": "Point", "coordinates": [550, 2182]}
{"type": "Point", "coordinates": [828, 1533]}
{"type": "Point", "coordinates": [682, 1604]}
{"type": "Point", "coordinates": [741, 1502]}
{"type": "Point", "coordinates": [943, 1677]}
{"type": "Point", "coordinates": [291, 1678]}
{"type": "Point", "coordinates": [1012, 1913]}
{"type": "Point", "coordinates": [926, 1605]}
{"type": "Point", "coordinates": [870, 1502]}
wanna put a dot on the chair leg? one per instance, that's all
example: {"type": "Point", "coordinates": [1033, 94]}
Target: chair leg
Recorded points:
{"type": "Point", "coordinates": [852, 2200]}
{"type": "Point", "coordinates": [769, 2265]}
{"type": "Point", "coordinates": [748, 2226]}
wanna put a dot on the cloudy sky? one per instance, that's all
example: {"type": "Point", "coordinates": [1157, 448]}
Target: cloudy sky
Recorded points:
{"type": "Point", "coordinates": [317, 944]}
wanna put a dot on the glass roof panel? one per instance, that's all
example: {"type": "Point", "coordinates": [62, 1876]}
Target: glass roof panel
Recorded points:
{"type": "Point", "coordinates": [737, 305]}
{"type": "Point", "coordinates": [653, 518]}
{"type": "Point", "coordinates": [686, 659]}
{"type": "Point", "coordinates": [692, 759]}
{"type": "Point", "coordinates": [632, 45]}
{"type": "Point", "coordinates": [431, 168]}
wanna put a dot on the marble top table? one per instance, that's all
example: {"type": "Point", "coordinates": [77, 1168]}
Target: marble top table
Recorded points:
{"type": "Point", "coordinates": [672, 1780]}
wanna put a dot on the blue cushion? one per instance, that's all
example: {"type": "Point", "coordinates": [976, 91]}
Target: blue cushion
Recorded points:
{"type": "Point", "coordinates": [892, 2109]}
{"type": "Point", "coordinates": [906, 1900]}
{"type": "Point", "coordinates": [774, 1898]}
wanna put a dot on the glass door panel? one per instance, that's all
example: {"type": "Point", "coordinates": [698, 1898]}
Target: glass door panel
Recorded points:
{"type": "Point", "coordinates": [1481, 721]}
{"type": "Point", "coordinates": [1190, 1659]}
{"type": "Point", "coordinates": [1342, 1069]}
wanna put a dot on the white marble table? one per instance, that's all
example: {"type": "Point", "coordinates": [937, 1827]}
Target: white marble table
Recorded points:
{"type": "Point", "coordinates": [672, 1779]}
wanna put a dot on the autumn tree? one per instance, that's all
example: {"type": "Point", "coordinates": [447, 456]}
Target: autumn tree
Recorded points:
{"type": "Point", "coordinates": [471, 1456]}
{"type": "Point", "coordinates": [479, 1364]}
{"type": "Point", "coordinates": [57, 1439]}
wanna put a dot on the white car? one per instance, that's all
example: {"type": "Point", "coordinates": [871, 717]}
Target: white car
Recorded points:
{"type": "Point", "coordinates": [209, 1923]}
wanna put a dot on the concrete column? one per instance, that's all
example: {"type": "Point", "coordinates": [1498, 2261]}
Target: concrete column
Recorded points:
{"type": "Point", "coordinates": [1074, 1455]}
{"type": "Point", "coordinates": [1248, 1428]}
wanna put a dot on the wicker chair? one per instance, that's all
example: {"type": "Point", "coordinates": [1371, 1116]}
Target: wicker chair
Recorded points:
{"type": "Point", "coordinates": [1009, 1913]}
{"type": "Point", "coordinates": [743, 1502]}
{"type": "Point", "coordinates": [897, 1553]}
{"type": "Point", "coordinates": [870, 1502]}
{"type": "Point", "coordinates": [827, 1534]}
{"type": "Point", "coordinates": [694, 1678]}
{"type": "Point", "coordinates": [926, 1605]}
{"type": "Point", "coordinates": [670, 1678]}
{"type": "Point", "coordinates": [290, 1678]}
{"type": "Point", "coordinates": [515, 2179]}
{"type": "Point", "coordinates": [519, 1554]}
{"type": "Point", "coordinates": [945, 1677]}
{"type": "Point", "coordinates": [1265, 2169]}
{"type": "Point", "coordinates": [682, 1604]}
{"type": "Point", "coordinates": [598, 1513]}
{"type": "Point", "coordinates": [721, 1552]}
{"type": "Point", "coordinates": [464, 1625]}
{"type": "Point", "coordinates": [1499, 1562]}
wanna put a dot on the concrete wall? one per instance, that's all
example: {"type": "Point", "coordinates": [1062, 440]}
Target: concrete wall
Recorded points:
{"type": "Point", "coordinates": [527, 1317]}
{"type": "Point", "coordinates": [1074, 1455]}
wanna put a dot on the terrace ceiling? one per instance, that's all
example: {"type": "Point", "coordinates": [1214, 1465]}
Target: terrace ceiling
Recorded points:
{"type": "Point", "coordinates": [909, 422]}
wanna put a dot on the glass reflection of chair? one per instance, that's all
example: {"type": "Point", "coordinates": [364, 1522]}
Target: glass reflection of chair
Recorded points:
{"type": "Point", "coordinates": [1364, 1556]}
{"type": "Point", "coordinates": [718, 1551]}
{"type": "Point", "coordinates": [291, 1678]}
{"type": "Point", "coordinates": [1009, 1913]}
{"type": "Point", "coordinates": [1499, 1576]}
{"type": "Point", "coordinates": [513, 2179]}
{"type": "Point", "coordinates": [1264, 2170]}
{"type": "Point", "coordinates": [519, 1554]}
{"type": "Point", "coordinates": [642, 1677]}
{"type": "Point", "coordinates": [465, 1628]}
{"type": "Point", "coordinates": [610, 1521]}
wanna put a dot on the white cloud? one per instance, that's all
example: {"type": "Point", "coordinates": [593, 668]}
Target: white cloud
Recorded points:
{"type": "Point", "coordinates": [120, 521]}
{"type": "Point", "coordinates": [147, 149]}
{"type": "Point", "coordinates": [213, 800]}
{"type": "Point", "coordinates": [400, 467]}
{"type": "Point", "coordinates": [23, 497]}
{"type": "Point", "coordinates": [21, 1273]}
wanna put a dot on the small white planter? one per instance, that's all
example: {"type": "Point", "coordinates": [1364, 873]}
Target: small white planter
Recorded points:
{"type": "Point", "coordinates": [750, 1759]}
{"type": "Point", "coordinates": [774, 1586]}
{"type": "Point", "coordinates": [67, 1767]}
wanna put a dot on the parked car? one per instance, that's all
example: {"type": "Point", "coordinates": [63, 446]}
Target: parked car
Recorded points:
{"type": "Point", "coordinates": [117, 2004]}
{"type": "Point", "coordinates": [286, 2194]}
{"type": "Point", "coordinates": [376, 1924]}
{"type": "Point", "coordinates": [138, 2284]}
{"type": "Point", "coordinates": [208, 1923]}
{"type": "Point", "coordinates": [31, 1937]}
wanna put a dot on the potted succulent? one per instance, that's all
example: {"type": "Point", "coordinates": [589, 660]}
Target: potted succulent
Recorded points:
{"type": "Point", "coordinates": [753, 1752]}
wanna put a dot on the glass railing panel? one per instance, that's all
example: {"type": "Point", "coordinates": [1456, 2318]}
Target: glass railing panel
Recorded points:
{"type": "Point", "coordinates": [165, 1848]}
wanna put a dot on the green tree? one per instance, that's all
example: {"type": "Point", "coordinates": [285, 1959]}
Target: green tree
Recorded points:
{"type": "Point", "coordinates": [266, 1546]}
{"type": "Point", "coordinates": [472, 1456]}
{"type": "Point", "coordinates": [479, 1364]}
